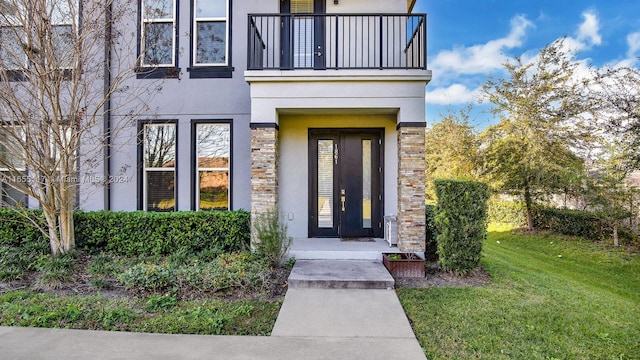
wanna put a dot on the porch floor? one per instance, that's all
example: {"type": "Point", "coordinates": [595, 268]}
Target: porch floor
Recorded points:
{"type": "Point", "coordinates": [335, 249]}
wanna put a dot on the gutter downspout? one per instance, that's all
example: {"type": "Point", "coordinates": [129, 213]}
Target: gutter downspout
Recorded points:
{"type": "Point", "coordinates": [106, 121]}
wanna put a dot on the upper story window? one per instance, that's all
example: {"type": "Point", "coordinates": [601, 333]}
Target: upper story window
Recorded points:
{"type": "Point", "coordinates": [158, 41]}
{"type": "Point", "coordinates": [210, 30]}
{"type": "Point", "coordinates": [211, 39]}
{"type": "Point", "coordinates": [41, 32]}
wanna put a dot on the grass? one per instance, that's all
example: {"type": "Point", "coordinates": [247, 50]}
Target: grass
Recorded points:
{"type": "Point", "coordinates": [154, 315]}
{"type": "Point", "coordinates": [553, 297]}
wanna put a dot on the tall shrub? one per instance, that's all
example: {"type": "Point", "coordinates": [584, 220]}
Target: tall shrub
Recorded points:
{"type": "Point", "coordinates": [461, 223]}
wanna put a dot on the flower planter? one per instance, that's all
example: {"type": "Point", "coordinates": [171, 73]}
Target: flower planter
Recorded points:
{"type": "Point", "coordinates": [403, 264]}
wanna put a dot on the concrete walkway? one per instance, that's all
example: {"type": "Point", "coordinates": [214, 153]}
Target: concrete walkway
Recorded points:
{"type": "Point", "coordinates": [313, 324]}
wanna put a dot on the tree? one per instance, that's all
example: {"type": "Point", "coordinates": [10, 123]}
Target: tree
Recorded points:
{"type": "Point", "coordinates": [607, 190]}
{"type": "Point", "coordinates": [451, 149]}
{"type": "Point", "coordinates": [531, 151]}
{"type": "Point", "coordinates": [617, 93]}
{"type": "Point", "coordinates": [59, 67]}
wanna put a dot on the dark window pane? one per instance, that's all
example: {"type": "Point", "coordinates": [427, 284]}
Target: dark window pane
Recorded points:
{"type": "Point", "coordinates": [160, 191]}
{"type": "Point", "coordinates": [12, 56]}
{"type": "Point", "coordinates": [63, 40]}
{"type": "Point", "coordinates": [158, 44]}
{"type": "Point", "coordinates": [9, 196]}
{"type": "Point", "coordinates": [214, 190]}
{"type": "Point", "coordinates": [211, 42]}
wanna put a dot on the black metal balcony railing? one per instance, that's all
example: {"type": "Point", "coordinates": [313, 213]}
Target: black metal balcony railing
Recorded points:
{"type": "Point", "coordinates": [337, 41]}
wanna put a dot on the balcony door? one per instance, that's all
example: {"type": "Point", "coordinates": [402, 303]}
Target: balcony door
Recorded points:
{"type": "Point", "coordinates": [302, 36]}
{"type": "Point", "coordinates": [345, 184]}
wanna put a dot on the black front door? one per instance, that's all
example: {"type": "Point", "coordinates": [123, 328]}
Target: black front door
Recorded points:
{"type": "Point", "coordinates": [303, 34]}
{"type": "Point", "coordinates": [345, 183]}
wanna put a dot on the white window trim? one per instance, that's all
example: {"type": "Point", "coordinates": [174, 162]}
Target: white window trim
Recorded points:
{"type": "Point", "coordinates": [144, 21]}
{"type": "Point", "coordinates": [194, 45]}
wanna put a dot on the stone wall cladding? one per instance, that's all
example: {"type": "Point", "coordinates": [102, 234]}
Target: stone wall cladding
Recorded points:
{"type": "Point", "coordinates": [411, 189]}
{"type": "Point", "coordinates": [264, 171]}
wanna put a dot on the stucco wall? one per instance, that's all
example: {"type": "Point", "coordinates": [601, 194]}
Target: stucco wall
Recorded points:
{"type": "Point", "coordinates": [294, 160]}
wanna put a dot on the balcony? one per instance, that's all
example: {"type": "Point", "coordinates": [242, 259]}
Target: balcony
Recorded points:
{"type": "Point", "coordinates": [337, 41]}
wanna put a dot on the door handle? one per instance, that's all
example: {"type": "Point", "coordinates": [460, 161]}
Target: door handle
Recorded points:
{"type": "Point", "coordinates": [343, 199]}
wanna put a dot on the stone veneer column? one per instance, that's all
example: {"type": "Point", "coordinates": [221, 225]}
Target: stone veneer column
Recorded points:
{"type": "Point", "coordinates": [411, 187]}
{"type": "Point", "coordinates": [264, 170]}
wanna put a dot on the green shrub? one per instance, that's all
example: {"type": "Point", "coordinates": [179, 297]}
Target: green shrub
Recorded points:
{"type": "Point", "coordinates": [55, 270]}
{"type": "Point", "coordinates": [271, 235]}
{"type": "Point", "coordinates": [149, 278]}
{"type": "Point", "coordinates": [157, 303]}
{"type": "Point", "coordinates": [571, 222]}
{"type": "Point", "coordinates": [228, 271]}
{"type": "Point", "coordinates": [461, 222]}
{"type": "Point", "coordinates": [431, 244]}
{"type": "Point", "coordinates": [150, 233]}
{"type": "Point", "coordinates": [507, 212]}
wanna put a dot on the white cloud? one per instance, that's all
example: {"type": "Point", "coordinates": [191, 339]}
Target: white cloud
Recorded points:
{"type": "Point", "coordinates": [633, 40]}
{"type": "Point", "coordinates": [588, 32]}
{"type": "Point", "coordinates": [481, 58]}
{"type": "Point", "coordinates": [452, 95]}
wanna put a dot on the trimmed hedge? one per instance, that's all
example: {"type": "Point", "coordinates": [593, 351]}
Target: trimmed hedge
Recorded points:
{"type": "Point", "coordinates": [461, 223]}
{"type": "Point", "coordinates": [571, 222]}
{"type": "Point", "coordinates": [142, 233]}
{"type": "Point", "coordinates": [431, 246]}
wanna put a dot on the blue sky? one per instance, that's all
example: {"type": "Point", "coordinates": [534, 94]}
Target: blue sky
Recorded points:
{"type": "Point", "coordinates": [469, 40]}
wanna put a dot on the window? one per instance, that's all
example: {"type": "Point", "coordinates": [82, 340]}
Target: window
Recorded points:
{"type": "Point", "coordinates": [210, 48]}
{"type": "Point", "coordinates": [158, 166]}
{"type": "Point", "coordinates": [12, 170]}
{"type": "Point", "coordinates": [212, 149]}
{"type": "Point", "coordinates": [158, 36]}
{"type": "Point", "coordinates": [62, 34]}
{"type": "Point", "coordinates": [60, 29]}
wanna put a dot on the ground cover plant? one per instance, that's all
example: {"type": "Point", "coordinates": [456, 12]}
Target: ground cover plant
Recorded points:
{"type": "Point", "coordinates": [224, 293]}
{"type": "Point", "coordinates": [552, 297]}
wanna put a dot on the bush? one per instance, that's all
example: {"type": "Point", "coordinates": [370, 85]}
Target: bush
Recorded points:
{"type": "Point", "coordinates": [431, 244]}
{"type": "Point", "coordinates": [570, 222]}
{"type": "Point", "coordinates": [507, 212]}
{"type": "Point", "coordinates": [149, 278]}
{"type": "Point", "coordinates": [138, 233]}
{"type": "Point", "coordinates": [149, 233]}
{"type": "Point", "coordinates": [461, 223]}
{"type": "Point", "coordinates": [272, 240]}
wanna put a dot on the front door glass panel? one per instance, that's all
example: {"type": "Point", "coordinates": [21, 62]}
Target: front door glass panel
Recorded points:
{"type": "Point", "coordinates": [325, 184]}
{"type": "Point", "coordinates": [366, 184]}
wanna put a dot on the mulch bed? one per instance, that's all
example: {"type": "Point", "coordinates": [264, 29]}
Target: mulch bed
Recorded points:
{"type": "Point", "coordinates": [435, 277]}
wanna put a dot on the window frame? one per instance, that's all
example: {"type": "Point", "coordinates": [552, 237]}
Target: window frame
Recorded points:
{"type": "Point", "coordinates": [74, 22]}
{"type": "Point", "coordinates": [195, 169]}
{"type": "Point", "coordinates": [197, 71]}
{"type": "Point", "coordinates": [142, 192]}
{"type": "Point", "coordinates": [158, 71]}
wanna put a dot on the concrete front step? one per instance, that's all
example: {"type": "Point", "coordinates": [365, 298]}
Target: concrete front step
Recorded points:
{"type": "Point", "coordinates": [340, 274]}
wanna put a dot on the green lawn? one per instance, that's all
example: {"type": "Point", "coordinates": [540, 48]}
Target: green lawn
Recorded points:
{"type": "Point", "coordinates": [553, 297]}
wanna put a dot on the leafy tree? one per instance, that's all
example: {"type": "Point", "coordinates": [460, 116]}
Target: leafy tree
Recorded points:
{"type": "Point", "coordinates": [530, 152]}
{"type": "Point", "coordinates": [451, 149]}
{"type": "Point", "coordinates": [608, 192]}
{"type": "Point", "coordinates": [616, 93]}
